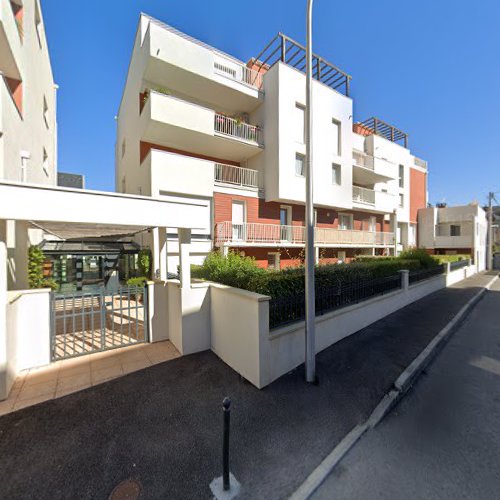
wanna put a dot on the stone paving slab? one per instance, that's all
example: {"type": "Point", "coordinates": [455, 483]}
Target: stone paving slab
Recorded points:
{"type": "Point", "coordinates": [163, 425]}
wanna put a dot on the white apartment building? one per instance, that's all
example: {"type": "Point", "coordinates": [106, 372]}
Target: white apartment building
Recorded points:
{"type": "Point", "coordinates": [195, 122]}
{"type": "Point", "coordinates": [28, 127]}
{"type": "Point", "coordinates": [454, 230]}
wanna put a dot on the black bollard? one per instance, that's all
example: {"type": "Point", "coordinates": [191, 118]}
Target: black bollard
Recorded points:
{"type": "Point", "coordinates": [226, 404]}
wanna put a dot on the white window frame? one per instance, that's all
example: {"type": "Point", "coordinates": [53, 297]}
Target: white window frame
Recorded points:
{"type": "Point", "coordinates": [337, 167]}
{"type": "Point", "coordinates": [302, 108]}
{"type": "Point", "coordinates": [351, 221]}
{"type": "Point", "coordinates": [401, 176]}
{"type": "Point", "coordinates": [401, 200]}
{"type": "Point", "coordinates": [338, 123]}
{"type": "Point", "coordinates": [303, 157]}
{"type": "Point", "coordinates": [277, 260]}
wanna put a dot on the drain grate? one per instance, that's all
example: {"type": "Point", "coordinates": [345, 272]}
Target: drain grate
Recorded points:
{"type": "Point", "coordinates": [129, 489]}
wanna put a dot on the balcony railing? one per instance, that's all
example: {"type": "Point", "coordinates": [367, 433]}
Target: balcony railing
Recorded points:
{"type": "Point", "coordinates": [237, 176]}
{"type": "Point", "coordinates": [275, 234]}
{"type": "Point", "coordinates": [234, 128]}
{"type": "Point", "coordinates": [238, 72]}
{"type": "Point", "coordinates": [363, 160]}
{"type": "Point", "coordinates": [249, 232]}
{"type": "Point", "coordinates": [363, 195]}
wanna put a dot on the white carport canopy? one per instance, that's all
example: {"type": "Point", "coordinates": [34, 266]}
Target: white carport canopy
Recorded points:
{"type": "Point", "coordinates": [74, 213]}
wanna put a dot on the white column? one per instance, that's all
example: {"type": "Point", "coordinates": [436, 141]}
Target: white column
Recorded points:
{"type": "Point", "coordinates": [394, 221]}
{"type": "Point", "coordinates": [160, 253]}
{"type": "Point", "coordinates": [3, 322]}
{"type": "Point", "coordinates": [184, 257]}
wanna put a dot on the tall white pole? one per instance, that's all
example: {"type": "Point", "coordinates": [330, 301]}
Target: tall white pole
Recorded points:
{"type": "Point", "coordinates": [489, 249]}
{"type": "Point", "coordinates": [310, 293]}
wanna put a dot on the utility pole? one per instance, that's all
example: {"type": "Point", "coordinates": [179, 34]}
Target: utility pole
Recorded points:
{"type": "Point", "coordinates": [489, 261]}
{"type": "Point", "coordinates": [310, 351]}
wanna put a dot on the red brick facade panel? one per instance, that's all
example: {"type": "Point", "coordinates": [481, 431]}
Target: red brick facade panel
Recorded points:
{"type": "Point", "coordinates": [418, 192]}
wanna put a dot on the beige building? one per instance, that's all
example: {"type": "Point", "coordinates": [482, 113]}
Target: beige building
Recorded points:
{"type": "Point", "coordinates": [28, 127]}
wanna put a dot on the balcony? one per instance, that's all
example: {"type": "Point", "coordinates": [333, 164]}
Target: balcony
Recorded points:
{"type": "Point", "coordinates": [363, 195]}
{"type": "Point", "coordinates": [453, 242]}
{"type": "Point", "coordinates": [169, 121]}
{"type": "Point", "coordinates": [253, 234]}
{"type": "Point", "coordinates": [10, 41]}
{"type": "Point", "coordinates": [236, 129]}
{"type": "Point", "coordinates": [370, 170]}
{"type": "Point", "coordinates": [183, 64]}
{"type": "Point", "coordinates": [233, 176]}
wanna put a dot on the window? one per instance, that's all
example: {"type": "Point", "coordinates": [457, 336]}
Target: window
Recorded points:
{"type": "Point", "coordinates": [24, 166]}
{"type": "Point", "coordinates": [299, 124]}
{"type": "Point", "coordinates": [372, 223]}
{"type": "Point", "coordinates": [300, 165]}
{"type": "Point", "coordinates": [345, 221]}
{"type": "Point", "coordinates": [401, 176]}
{"type": "Point", "coordinates": [45, 163]}
{"type": "Point", "coordinates": [341, 256]}
{"type": "Point", "coordinates": [285, 223]}
{"type": "Point", "coordinates": [38, 24]}
{"type": "Point", "coordinates": [401, 200]}
{"type": "Point", "coordinates": [45, 112]}
{"type": "Point", "coordinates": [273, 261]}
{"type": "Point", "coordinates": [336, 137]}
{"type": "Point", "coordinates": [238, 218]}
{"type": "Point", "coordinates": [454, 230]}
{"type": "Point", "coordinates": [336, 175]}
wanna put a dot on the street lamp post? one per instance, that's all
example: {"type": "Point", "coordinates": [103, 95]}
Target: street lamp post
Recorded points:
{"type": "Point", "coordinates": [310, 254]}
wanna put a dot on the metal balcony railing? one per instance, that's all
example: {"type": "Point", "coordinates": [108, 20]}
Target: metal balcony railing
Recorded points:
{"type": "Point", "coordinates": [363, 195]}
{"type": "Point", "coordinates": [238, 72]}
{"type": "Point", "coordinates": [234, 128]}
{"type": "Point", "coordinates": [238, 176]}
{"type": "Point", "coordinates": [275, 234]}
{"type": "Point", "coordinates": [363, 160]}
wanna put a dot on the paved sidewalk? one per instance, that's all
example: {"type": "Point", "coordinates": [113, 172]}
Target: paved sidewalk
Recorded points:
{"type": "Point", "coordinates": [162, 425]}
{"type": "Point", "coordinates": [442, 441]}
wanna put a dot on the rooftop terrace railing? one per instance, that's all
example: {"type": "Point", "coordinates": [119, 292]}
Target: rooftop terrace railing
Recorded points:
{"type": "Point", "coordinates": [284, 49]}
{"type": "Point", "coordinates": [376, 126]}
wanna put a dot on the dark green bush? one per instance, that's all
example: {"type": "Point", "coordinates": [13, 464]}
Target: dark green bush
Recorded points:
{"type": "Point", "coordinates": [144, 262]}
{"type": "Point", "coordinates": [419, 254]}
{"type": "Point", "coordinates": [242, 272]}
{"type": "Point", "coordinates": [36, 258]}
{"type": "Point", "coordinates": [139, 281]}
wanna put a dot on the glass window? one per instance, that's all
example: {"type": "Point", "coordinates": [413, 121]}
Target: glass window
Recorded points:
{"type": "Point", "coordinates": [345, 221]}
{"type": "Point", "coordinates": [336, 137]}
{"type": "Point", "coordinates": [401, 200]}
{"type": "Point", "coordinates": [336, 175]}
{"type": "Point", "coordinates": [401, 176]}
{"type": "Point", "coordinates": [299, 124]}
{"type": "Point", "coordinates": [454, 230]}
{"type": "Point", "coordinates": [300, 165]}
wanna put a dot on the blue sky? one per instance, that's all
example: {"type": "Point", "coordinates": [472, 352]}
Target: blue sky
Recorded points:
{"type": "Point", "coordinates": [431, 68]}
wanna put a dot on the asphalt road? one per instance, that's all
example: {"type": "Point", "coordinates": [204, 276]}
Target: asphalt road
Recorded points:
{"type": "Point", "coordinates": [443, 440]}
{"type": "Point", "coordinates": [162, 426]}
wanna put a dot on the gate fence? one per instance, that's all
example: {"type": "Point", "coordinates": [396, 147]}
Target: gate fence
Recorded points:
{"type": "Point", "coordinates": [93, 321]}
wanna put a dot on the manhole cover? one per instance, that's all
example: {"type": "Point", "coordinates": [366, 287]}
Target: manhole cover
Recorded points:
{"type": "Point", "coordinates": [126, 490]}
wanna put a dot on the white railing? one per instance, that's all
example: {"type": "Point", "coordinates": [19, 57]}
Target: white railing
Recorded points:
{"type": "Point", "coordinates": [238, 176]}
{"type": "Point", "coordinates": [334, 236]}
{"type": "Point", "coordinates": [363, 195]}
{"type": "Point", "coordinates": [363, 160]}
{"type": "Point", "coordinates": [249, 232]}
{"type": "Point", "coordinates": [420, 163]}
{"type": "Point", "coordinates": [254, 233]}
{"type": "Point", "coordinates": [238, 72]}
{"type": "Point", "coordinates": [235, 128]}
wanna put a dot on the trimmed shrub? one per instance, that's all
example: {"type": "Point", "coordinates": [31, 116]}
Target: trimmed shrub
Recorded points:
{"type": "Point", "coordinates": [242, 272]}
{"type": "Point", "coordinates": [36, 258]}
{"type": "Point", "coordinates": [421, 255]}
{"type": "Point", "coordinates": [451, 258]}
{"type": "Point", "coordinates": [139, 281]}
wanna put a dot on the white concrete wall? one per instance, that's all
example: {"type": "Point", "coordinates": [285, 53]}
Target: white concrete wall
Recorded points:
{"type": "Point", "coordinates": [5, 363]}
{"type": "Point", "coordinates": [30, 134]}
{"type": "Point", "coordinates": [240, 322]}
{"type": "Point", "coordinates": [28, 333]}
{"type": "Point", "coordinates": [157, 306]}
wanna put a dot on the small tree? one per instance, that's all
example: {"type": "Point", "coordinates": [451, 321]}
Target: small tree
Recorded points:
{"type": "Point", "coordinates": [144, 262]}
{"type": "Point", "coordinates": [36, 259]}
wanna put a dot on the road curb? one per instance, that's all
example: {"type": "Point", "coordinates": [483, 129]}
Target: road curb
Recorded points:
{"type": "Point", "coordinates": [401, 386]}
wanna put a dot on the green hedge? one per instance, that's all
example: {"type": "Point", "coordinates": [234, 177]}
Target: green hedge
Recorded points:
{"type": "Point", "coordinates": [139, 281]}
{"type": "Point", "coordinates": [242, 272]}
{"type": "Point", "coordinates": [451, 258]}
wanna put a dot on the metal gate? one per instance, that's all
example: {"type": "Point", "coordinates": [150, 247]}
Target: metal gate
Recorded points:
{"type": "Point", "coordinates": [93, 321]}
